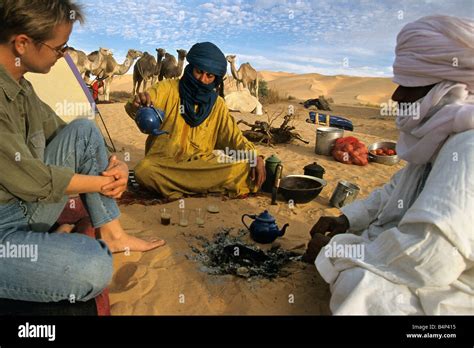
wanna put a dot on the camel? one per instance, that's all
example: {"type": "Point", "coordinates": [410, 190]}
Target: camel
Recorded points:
{"type": "Point", "coordinates": [246, 75]}
{"type": "Point", "coordinates": [83, 63]}
{"type": "Point", "coordinates": [160, 54]}
{"type": "Point", "coordinates": [147, 68]}
{"type": "Point", "coordinates": [109, 68]}
{"type": "Point", "coordinates": [171, 68]}
{"type": "Point", "coordinates": [142, 71]}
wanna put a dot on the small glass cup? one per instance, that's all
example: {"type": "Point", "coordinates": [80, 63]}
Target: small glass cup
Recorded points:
{"type": "Point", "coordinates": [165, 214]}
{"type": "Point", "coordinates": [200, 217]}
{"type": "Point", "coordinates": [183, 215]}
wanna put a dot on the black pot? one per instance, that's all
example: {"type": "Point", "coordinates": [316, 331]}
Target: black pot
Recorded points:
{"type": "Point", "coordinates": [315, 170]}
{"type": "Point", "coordinates": [301, 188]}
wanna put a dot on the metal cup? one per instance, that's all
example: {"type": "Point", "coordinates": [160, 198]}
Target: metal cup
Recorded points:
{"type": "Point", "coordinates": [344, 194]}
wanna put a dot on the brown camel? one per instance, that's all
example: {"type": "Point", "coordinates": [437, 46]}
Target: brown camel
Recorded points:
{"type": "Point", "coordinates": [147, 68]}
{"type": "Point", "coordinates": [160, 54]}
{"type": "Point", "coordinates": [83, 63]}
{"type": "Point", "coordinates": [246, 75]}
{"type": "Point", "coordinates": [109, 68]}
{"type": "Point", "coordinates": [171, 68]}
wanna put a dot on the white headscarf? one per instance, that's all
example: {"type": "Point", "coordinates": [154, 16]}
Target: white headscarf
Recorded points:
{"type": "Point", "coordinates": [435, 49]}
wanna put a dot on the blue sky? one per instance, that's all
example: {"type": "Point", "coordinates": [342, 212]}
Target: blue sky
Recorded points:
{"type": "Point", "coordinates": [351, 37]}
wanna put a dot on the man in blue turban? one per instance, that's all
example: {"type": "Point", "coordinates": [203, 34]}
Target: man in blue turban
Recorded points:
{"type": "Point", "coordinates": [207, 66]}
{"type": "Point", "coordinates": [194, 156]}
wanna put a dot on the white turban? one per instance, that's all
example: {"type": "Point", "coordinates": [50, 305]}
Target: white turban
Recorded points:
{"type": "Point", "coordinates": [433, 49]}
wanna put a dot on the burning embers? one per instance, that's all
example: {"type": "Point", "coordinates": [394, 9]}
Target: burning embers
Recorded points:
{"type": "Point", "coordinates": [229, 254]}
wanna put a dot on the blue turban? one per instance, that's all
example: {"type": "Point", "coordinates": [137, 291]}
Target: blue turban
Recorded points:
{"type": "Point", "coordinates": [208, 57]}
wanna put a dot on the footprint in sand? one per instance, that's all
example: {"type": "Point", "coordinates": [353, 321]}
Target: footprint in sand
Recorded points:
{"type": "Point", "coordinates": [162, 259]}
{"type": "Point", "coordinates": [127, 277]}
{"type": "Point", "coordinates": [121, 308]}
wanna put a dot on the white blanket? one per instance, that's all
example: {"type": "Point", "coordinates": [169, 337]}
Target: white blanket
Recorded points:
{"type": "Point", "coordinates": [418, 251]}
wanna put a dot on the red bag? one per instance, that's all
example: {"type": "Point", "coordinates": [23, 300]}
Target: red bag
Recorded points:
{"type": "Point", "coordinates": [350, 150]}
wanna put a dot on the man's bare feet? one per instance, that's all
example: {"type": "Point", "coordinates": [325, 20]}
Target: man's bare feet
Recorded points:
{"type": "Point", "coordinates": [118, 240]}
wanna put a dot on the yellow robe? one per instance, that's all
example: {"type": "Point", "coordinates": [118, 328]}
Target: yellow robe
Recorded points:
{"type": "Point", "coordinates": [183, 162]}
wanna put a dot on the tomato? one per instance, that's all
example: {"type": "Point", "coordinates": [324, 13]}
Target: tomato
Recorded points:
{"type": "Point", "coordinates": [390, 152]}
{"type": "Point", "coordinates": [379, 152]}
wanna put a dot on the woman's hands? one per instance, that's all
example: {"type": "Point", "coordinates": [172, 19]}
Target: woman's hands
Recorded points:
{"type": "Point", "coordinates": [119, 171]}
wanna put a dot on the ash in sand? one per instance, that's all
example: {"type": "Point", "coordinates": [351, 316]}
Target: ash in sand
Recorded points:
{"type": "Point", "coordinates": [230, 254]}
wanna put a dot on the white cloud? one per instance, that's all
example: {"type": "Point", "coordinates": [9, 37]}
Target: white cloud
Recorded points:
{"type": "Point", "coordinates": [312, 34]}
{"type": "Point", "coordinates": [263, 63]}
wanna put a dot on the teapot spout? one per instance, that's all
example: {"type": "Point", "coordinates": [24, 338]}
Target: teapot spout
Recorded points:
{"type": "Point", "coordinates": [283, 230]}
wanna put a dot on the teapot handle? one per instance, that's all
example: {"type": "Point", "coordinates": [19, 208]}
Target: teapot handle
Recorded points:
{"type": "Point", "coordinates": [250, 216]}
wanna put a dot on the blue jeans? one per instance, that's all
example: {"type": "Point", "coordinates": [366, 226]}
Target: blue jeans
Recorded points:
{"type": "Point", "coordinates": [65, 266]}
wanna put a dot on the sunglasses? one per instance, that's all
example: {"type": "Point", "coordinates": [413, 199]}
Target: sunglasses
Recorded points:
{"type": "Point", "coordinates": [59, 51]}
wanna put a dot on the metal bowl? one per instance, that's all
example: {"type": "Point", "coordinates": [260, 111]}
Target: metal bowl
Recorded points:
{"type": "Point", "coordinates": [388, 160]}
{"type": "Point", "coordinates": [301, 188]}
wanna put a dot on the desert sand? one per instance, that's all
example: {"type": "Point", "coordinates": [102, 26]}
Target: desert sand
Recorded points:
{"type": "Point", "coordinates": [165, 281]}
{"type": "Point", "coordinates": [346, 90]}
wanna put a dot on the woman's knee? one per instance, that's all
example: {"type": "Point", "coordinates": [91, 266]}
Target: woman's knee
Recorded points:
{"type": "Point", "coordinates": [84, 126]}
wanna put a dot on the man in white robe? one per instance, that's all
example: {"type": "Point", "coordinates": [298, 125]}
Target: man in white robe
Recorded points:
{"type": "Point", "coordinates": [416, 233]}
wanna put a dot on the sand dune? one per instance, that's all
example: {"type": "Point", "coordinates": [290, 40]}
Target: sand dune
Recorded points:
{"type": "Point", "coordinates": [344, 90]}
{"type": "Point", "coordinates": [350, 90]}
{"type": "Point", "coordinates": [273, 75]}
{"type": "Point", "coordinates": [122, 83]}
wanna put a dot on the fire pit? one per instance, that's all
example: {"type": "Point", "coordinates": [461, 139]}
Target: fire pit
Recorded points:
{"type": "Point", "coordinates": [229, 254]}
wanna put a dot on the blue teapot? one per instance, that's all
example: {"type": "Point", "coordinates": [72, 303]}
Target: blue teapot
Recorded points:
{"type": "Point", "coordinates": [264, 229]}
{"type": "Point", "coordinates": [149, 120]}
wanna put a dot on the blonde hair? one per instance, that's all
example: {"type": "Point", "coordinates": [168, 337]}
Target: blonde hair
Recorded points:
{"type": "Point", "coordinates": [36, 18]}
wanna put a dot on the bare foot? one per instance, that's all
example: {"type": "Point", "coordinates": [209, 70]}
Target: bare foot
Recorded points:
{"type": "Point", "coordinates": [126, 243]}
{"type": "Point", "coordinates": [118, 240]}
{"type": "Point", "coordinates": [66, 228]}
